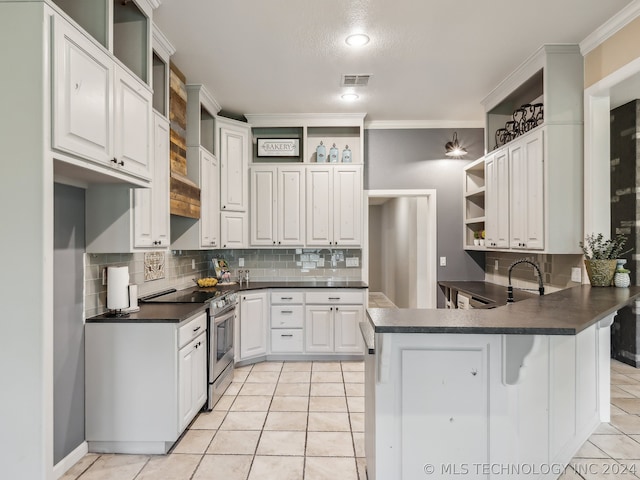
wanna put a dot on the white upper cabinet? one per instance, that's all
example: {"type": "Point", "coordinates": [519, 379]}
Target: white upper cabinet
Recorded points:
{"type": "Point", "coordinates": [527, 192]}
{"type": "Point", "coordinates": [534, 200]}
{"type": "Point", "coordinates": [209, 200]}
{"type": "Point", "coordinates": [133, 123]}
{"type": "Point", "coordinates": [497, 188]}
{"type": "Point", "coordinates": [234, 154]}
{"type": "Point", "coordinates": [277, 205]}
{"type": "Point", "coordinates": [234, 230]}
{"type": "Point", "coordinates": [151, 207]}
{"type": "Point", "coordinates": [101, 113]}
{"type": "Point", "coordinates": [82, 95]}
{"type": "Point", "coordinates": [334, 205]}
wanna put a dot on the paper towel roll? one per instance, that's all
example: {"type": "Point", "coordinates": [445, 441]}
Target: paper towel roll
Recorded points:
{"type": "Point", "coordinates": [117, 288]}
{"type": "Point", "coordinates": [133, 298]}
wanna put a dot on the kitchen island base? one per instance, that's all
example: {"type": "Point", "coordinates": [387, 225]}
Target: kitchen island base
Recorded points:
{"type": "Point", "coordinates": [483, 406]}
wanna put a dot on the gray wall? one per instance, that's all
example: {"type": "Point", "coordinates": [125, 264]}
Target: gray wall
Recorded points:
{"type": "Point", "coordinates": [414, 159]}
{"type": "Point", "coordinates": [68, 320]}
{"type": "Point", "coordinates": [375, 248]}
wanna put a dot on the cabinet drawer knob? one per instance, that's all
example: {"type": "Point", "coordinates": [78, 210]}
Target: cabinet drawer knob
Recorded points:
{"type": "Point", "coordinates": [114, 160]}
{"type": "Point", "coordinates": [121, 163]}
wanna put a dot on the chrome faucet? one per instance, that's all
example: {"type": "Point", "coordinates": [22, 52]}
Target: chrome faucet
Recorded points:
{"type": "Point", "coordinates": [510, 287]}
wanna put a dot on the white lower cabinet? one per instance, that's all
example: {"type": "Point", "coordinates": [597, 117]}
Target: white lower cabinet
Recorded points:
{"type": "Point", "coordinates": [281, 324]}
{"type": "Point", "coordinates": [144, 383]}
{"type": "Point", "coordinates": [192, 375]}
{"type": "Point", "coordinates": [254, 321]}
{"type": "Point", "coordinates": [332, 319]}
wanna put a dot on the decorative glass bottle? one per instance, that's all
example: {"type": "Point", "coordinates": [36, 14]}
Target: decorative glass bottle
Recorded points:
{"type": "Point", "coordinates": [321, 153]}
{"type": "Point", "coordinates": [333, 154]}
{"type": "Point", "coordinates": [346, 155]}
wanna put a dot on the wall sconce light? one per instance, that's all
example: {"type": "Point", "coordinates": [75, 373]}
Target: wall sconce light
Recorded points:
{"type": "Point", "coordinates": [453, 148]}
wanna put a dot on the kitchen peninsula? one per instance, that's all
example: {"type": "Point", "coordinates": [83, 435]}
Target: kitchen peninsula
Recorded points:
{"type": "Point", "coordinates": [511, 392]}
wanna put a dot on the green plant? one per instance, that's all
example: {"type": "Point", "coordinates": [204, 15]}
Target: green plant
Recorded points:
{"type": "Point", "coordinates": [476, 235]}
{"type": "Point", "coordinates": [596, 247]}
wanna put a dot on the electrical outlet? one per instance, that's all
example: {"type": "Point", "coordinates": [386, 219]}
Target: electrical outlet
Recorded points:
{"type": "Point", "coordinates": [576, 274]}
{"type": "Point", "coordinates": [104, 275]}
{"type": "Point", "coordinates": [193, 264]}
{"type": "Point", "coordinates": [495, 265]}
{"type": "Point", "coordinates": [443, 261]}
{"type": "Point", "coordinates": [353, 261]}
{"type": "Point", "coordinates": [241, 262]}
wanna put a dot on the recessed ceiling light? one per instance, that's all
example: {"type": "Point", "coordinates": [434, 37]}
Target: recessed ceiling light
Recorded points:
{"type": "Point", "coordinates": [357, 40]}
{"type": "Point", "coordinates": [350, 97]}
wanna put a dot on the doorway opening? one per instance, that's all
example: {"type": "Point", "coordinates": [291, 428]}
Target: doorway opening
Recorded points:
{"type": "Point", "coordinates": [400, 247]}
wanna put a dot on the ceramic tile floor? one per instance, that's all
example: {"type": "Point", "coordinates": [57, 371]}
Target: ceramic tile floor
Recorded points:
{"type": "Point", "coordinates": [380, 300]}
{"type": "Point", "coordinates": [304, 420]}
{"type": "Point", "coordinates": [277, 420]}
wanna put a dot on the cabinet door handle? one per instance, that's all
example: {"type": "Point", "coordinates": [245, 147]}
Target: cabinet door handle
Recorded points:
{"type": "Point", "coordinates": [121, 162]}
{"type": "Point", "coordinates": [334, 298]}
{"type": "Point", "coordinates": [336, 309]}
{"type": "Point", "coordinates": [274, 242]}
{"type": "Point", "coordinates": [224, 206]}
{"type": "Point", "coordinates": [286, 298]}
{"type": "Point", "coordinates": [196, 329]}
{"type": "Point", "coordinates": [279, 243]}
{"type": "Point", "coordinates": [286, 311]}
{"type": "Point", "coordinates": [289, 335]}
{"type": "Point", "coordinates": [114, 160]}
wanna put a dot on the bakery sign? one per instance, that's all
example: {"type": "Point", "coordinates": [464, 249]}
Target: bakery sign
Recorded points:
{"type": "Point", "coordinates": [278, 147]}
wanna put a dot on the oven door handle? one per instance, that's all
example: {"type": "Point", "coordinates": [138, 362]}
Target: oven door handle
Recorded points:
{"type": "Point", "coordinates": [226, 315]}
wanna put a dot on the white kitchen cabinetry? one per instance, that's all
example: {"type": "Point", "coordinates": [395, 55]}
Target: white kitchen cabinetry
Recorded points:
{"type": "Point", "coordinates": [101, 113]}
{"type": "Point", "coordinates": [234, 230]}
{"type": "Point", "coordinates": [209, 200]}
{"type": "Point", "coordinates": [277, 205]}
{"type": "Point", "coordinates": [151, 207]}
{"type": "Point", "coordinates": [287, 322]}
{"type": "Point", "coordinates": [527, 192]}
{"type": "Point", "coordinates": [540, 204]}
{"type": "Point", "coordinates": [144, 383]}
{"type": "Point", "coordinates": [235, 146]}
{"type": "Point", "coordinates": [192, 375]}
{"type": "Point", "coordinates": [497, 198]}
{"type": "Point", "coordinates": [123, 220]}
{"type": "Point", "coordinates": [331, 321]}
{"type": "Point", "coordinates": [254, 324]}
{"type": "Point", "coordinates": [334, 205]}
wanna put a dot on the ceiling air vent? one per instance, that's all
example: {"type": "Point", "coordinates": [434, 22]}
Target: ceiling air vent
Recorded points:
{"type": "Point", "coordinates": [355, 80]}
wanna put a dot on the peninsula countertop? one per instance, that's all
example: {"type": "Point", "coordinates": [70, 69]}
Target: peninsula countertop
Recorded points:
{"type": "Point", "coordinates": [566, 312]}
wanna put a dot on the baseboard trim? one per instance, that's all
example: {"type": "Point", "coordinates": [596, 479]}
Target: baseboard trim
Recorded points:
{"type": "Point", "coordinates": [63, 466]}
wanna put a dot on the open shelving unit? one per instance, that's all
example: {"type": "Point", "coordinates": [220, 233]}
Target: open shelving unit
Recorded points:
{"type": "Point", "coordinates": [474, 202]}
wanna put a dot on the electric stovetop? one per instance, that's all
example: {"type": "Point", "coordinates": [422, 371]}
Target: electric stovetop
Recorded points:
{"type": "Point", "coordinates": [194, 295]}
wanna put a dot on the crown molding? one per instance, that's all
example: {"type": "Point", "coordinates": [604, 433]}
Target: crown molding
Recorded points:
{"type": "Point", "coordinates": [610, 27]}
{"type": "Point", "coordinates": [421, 124]}
{"type": "Point", "coordinates": [161, 44]}
{"type": "Point", "coordinates": [305, 119]}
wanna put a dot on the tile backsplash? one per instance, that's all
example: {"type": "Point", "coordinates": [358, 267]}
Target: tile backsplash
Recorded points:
{"type": "Point", "coordinates": [263, 265]}
{"type": "Point", "coordinates": [556, 270]}
{"type": "Point", "coordinates": [302, 264]}
{"type": "Point", "coordinates": [179, 273]}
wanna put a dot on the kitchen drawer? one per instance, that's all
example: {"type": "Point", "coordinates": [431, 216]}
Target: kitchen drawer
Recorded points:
{"type": "Point", "coordinates": [284, 298]}
{"type": "Point", "coordinates": [192, 329]}
{"type": "Point", "coordinates": [287, 316]}
{"type": "Point", "coordinates": [286, 341]}
{"type": "Point", "coordinates": [336, 297]}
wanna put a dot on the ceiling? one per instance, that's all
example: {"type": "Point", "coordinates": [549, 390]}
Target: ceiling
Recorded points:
{"type": "Point", "coordinates": [431, 61]}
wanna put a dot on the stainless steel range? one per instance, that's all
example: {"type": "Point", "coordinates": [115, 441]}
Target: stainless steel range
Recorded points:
{"type": "Point", "coordinates": [220, 325]}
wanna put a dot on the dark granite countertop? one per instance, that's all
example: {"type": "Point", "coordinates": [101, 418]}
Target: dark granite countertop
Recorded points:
{"type": "Point", "coordinates": [566, 312]}
{"type": "Point", "coordinates": [155, 313]}
{"type": "Point", "coordinates": [298, 284]}
{"type": "Point", "coordinates": [177, 312]}
{"type": "Point", "coordinates": [491, 293]}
